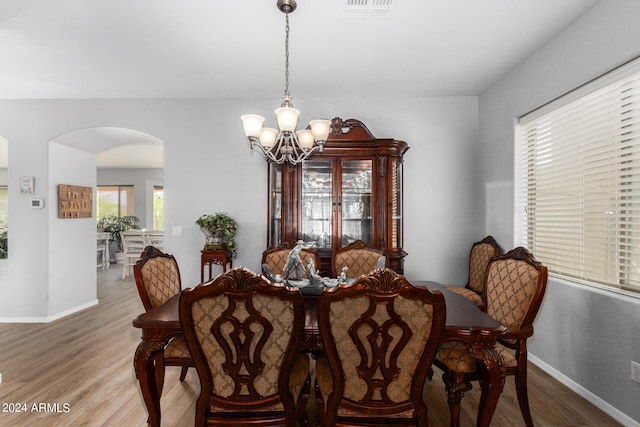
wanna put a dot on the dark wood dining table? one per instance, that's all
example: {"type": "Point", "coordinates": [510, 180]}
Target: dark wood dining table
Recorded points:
{"type": "Point", "coordinates": [464, 323]}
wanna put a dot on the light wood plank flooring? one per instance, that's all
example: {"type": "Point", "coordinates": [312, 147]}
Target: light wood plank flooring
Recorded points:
{"type": "Point", "coordinates": [82, 366]}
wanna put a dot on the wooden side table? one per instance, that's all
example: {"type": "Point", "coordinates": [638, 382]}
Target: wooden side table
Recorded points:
{"type": "Point", "coordinates": [209, 258]}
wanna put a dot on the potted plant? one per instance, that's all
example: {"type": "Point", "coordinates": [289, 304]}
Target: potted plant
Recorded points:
{"type": "Point", "coordinates": [220, 230]}
{"type": "Point", "coordinates": [116, 224]}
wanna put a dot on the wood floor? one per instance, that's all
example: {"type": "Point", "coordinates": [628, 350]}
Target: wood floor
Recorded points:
{"type": "Point", "coordinates": [78, 371]}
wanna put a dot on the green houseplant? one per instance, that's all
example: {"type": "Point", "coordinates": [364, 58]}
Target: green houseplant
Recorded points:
{"type": "Point", "coordinates": [116, 224]}
{"type": "Point", "coordinates": [220, 231]}
{"type": "Point", "coordinates": [4, 245]}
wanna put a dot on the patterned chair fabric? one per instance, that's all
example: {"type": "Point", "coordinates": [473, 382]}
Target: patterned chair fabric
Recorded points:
{"type": "Point", "coordinates": [243, 333]}
{"type": "Point", "coordinates": [481, 253]}
{"type": "Point", "coordinates": [515, 286]}
{"type": "Point", "coordinates": [276, 258]}
{"type": "Point", "coordinates": [157, 278]}
{"type": "Point", "coordinates": [159, 275]}
{"type": "Point", "coordinates": [380, 337]}
{"type": "Point", "coordinates": [358, 258]}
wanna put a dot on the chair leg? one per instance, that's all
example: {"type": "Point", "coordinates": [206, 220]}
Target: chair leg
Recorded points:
{"type": "Point", "coordinates": [183, 372]}
{"type": "Point", "coordinates": [523, 396]}
{"type": "Point", "coordinates": [159, 365]}
{"type": "Point", "coordinates": [456, 389]}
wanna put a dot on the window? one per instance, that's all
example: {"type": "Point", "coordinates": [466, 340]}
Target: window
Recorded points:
{"type": "Point", "coordinates": [580, 158]}
{"type": "Point", "coordinates": [114, 200]}
{"type": "Point", "coordinates": [158, 207]}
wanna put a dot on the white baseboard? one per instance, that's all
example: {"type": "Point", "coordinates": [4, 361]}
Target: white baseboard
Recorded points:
{"type": "Point", "coordinates": [48, 318]}
{"type": "Point", "coordinates": [590, 397]}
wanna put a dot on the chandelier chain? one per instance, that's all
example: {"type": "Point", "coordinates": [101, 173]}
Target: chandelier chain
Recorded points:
{"type": "Point", "coordinates": [286, 57]}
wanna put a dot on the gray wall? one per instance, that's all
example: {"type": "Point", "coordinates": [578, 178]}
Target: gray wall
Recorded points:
{"type": "Point", "coordinates": [584, 336]}
{"type": "Point", "coordinates": [209, 168]}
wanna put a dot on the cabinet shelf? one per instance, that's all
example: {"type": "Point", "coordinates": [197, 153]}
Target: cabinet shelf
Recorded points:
{"type": "Point", "coordinates": [317, 192]}
{"type": "Point", "coordinates": [356, 191]}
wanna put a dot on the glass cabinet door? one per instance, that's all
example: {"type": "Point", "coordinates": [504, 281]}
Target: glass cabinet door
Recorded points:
{"type": "Point", "coordinates": [275, 206]}
{"type": "Point", "coordinates": [356, 201]}
{"type": "Point", "coordinates": [317, 202]}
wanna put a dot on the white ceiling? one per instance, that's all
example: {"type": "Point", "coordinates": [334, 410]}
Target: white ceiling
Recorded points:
{"type": "Point", "coordinates": [219, 49]}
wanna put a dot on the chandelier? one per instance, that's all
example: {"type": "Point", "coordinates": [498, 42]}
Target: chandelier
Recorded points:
{"type": "Point", "coordinates": [285, 144]}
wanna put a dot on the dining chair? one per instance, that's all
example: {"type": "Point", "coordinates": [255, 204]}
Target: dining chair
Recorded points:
{"type": "Point", "coordinates": [243, 333]}
{"type": "Point", "coordinates": [479, 257]}
{"type": "Point", "coordinates": [133, 243]}
{"type": "Point", "coordinates": [515, 286]}
{"type": "Point", "coordinates": [275, 258]}
{"type": "Point", "coordinates": [358, 258]}
{"type": "Point", "coordinates": [380, 335]}
{"type": "Point", "coordinates": [157, 278]}
{"type": "Point", "coordinates": [102, 249]}
{"type": "Point", "coordinates": [155, 238]}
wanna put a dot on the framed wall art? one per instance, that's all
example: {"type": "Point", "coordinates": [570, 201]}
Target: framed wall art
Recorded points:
{"type": "Point", "coordinates": [27, 185]}
{"type": "Point", "coordinates": [75, 201]}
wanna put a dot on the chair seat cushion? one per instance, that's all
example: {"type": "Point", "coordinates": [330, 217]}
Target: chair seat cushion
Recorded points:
{"type": "Point", "coordinates": [177, 349]}
{"type": "Point", "coordinates": [456, 357]}
{"type": "Point", "coordinates": [465, 292]}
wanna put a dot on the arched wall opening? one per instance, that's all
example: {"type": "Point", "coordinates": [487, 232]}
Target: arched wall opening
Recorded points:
{"type": "Point", "coordinates": [78, 158]}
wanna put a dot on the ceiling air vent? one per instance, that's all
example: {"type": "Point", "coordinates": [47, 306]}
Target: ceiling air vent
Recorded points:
{"type": "Point", "coordinates": [369, 7]}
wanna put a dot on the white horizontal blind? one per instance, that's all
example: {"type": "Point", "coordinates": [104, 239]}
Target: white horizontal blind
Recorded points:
{"type": "Point", "coordinates": [581, 181]}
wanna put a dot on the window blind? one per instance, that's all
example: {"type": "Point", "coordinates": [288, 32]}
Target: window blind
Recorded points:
{"type": "Point", "coordinates": [581, 181]}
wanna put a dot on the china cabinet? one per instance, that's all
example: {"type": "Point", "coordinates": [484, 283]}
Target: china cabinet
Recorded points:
{"type": "Point", "coordinates": [352, 190]}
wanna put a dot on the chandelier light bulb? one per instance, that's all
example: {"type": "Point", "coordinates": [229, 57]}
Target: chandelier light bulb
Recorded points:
{"type": "Point", "coordinates": [268, 137]}
{"type": "Point", "coordinates": [287, 118]}
{"type": "Point", "coordinates": [320, 129]}
{"type": "Point", "coordinates": [252, 124]}
{"type": "Point", "coordinates": [305, 138]}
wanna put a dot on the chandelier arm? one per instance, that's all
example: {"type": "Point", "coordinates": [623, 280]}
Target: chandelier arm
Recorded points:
{"type": "Point", "coordinates": [267, 153]}
{"type": "Point", "coordinates": [299, 154]}
{"type": "Point", "coordinates": [279, 148]}
{"type": "Point", "coordinates": [262, 152]}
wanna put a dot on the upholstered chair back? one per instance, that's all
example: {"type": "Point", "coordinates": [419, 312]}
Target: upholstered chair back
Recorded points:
{"type": "Point", "coordinates": [358, 258]}
{"type": "Point", "coordinates": [243, 334]}
{"type": "Point", "coordinates": [157, 277]}
{"type": "Point", "coordinates": [380, 337]}
{"type": "Point", "coordinates": [515, 284]}
{"type": "Point", "coordinates": [276, 258]}
{"type": "Point", "coordinates": [481, 254]}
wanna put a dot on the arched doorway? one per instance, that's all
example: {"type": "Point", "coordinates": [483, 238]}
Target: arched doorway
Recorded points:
{"type": "Point", "coordinates": [124, 157]}
{"type": "Point", "coordinates": [127, 162]}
